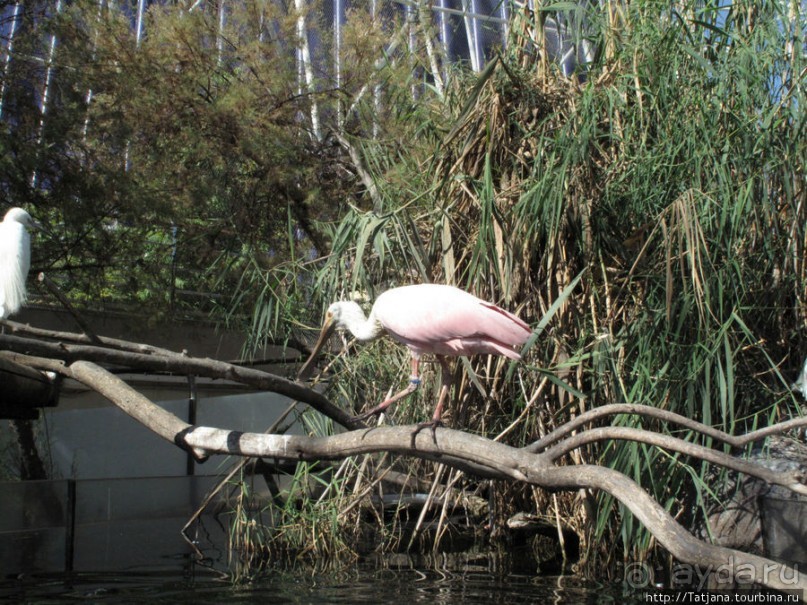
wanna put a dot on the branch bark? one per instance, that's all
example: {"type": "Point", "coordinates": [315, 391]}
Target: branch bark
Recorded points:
{"type": "Point", "coordinates": [535, 464]}
{"type": "Point", "coordinates": [179, 364]}
{"type": "Point", "coordinates": [614, 409]}
{"type": "Point", "coordinates": [470, 453]}
{"type": "Point", "coordinates": [790, 480]}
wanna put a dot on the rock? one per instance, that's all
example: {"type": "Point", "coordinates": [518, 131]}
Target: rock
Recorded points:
{"type": "Point", "coordinates": [764, 519]}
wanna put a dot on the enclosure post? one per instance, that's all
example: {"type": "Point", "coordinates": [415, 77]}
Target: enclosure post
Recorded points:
{"type": "Point", "coordinates": [70, 526]}
{"type": "Point", "coordinates": [193, 404]}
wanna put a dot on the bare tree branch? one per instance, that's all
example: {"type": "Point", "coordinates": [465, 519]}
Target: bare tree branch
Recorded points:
{"type": "Point", "coordinates": [179, 364]}
{"type": "Point", "coordinates": [613, 409]}
{"type": "Point", "coordinates": [471, 453]}
{"type": "Point", "coordinates": [114, 343]}
{"type": "Point", "coordinates": [790, 480]}
{"type": "Point", "coordinates": [139, 407]}
{"type": "Point", "coordinates": [134, 347]}
{"type": "Point", "coordinates": [56, 291]}
{"type": "Point", "coordinates": [535, 464]}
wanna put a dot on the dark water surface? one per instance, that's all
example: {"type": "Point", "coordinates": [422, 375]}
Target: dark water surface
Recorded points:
{"type": "Point", "coordinates": [118, 541]}
{"type": "Point", "coordinates": [360, 586]}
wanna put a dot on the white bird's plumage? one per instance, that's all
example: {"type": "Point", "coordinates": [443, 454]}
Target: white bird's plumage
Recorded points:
{"type": "Point", "coordinates": [801, 384]}
{"type": "Point", "coordinates": [15, 260]}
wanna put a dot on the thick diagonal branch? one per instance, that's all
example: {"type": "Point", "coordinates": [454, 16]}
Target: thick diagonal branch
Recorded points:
{"type": "Point", "coordinates": [471, 453]}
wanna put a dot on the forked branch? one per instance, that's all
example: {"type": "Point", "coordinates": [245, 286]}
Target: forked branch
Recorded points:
{"type": "Point", "coordinates": [470, 453]}
{"type": "Point", "coordinates": [535, 464]}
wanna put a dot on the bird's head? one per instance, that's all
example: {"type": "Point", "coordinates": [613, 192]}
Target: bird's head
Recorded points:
{"type": "Point", "coordinates": [343, 314]}
{"type": "Point", "coordinates": [339, 316]}
{"type": "Point", "coordinates": [21, 216]}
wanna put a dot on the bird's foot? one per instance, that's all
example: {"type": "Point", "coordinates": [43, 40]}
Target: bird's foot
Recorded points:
{"type": "Point", "coordinates": [376, 411]}
{"type": "Point", "coordinates": [430, 424]}
{"type": "Point", "coordinates": [365, 416]}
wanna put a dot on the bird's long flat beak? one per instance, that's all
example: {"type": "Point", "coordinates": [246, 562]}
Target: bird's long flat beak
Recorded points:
{"type": "Point", "coordinates": [324, 335]}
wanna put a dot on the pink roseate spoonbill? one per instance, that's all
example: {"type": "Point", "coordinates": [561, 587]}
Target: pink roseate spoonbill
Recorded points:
{"type": "Point", "coordinates": [429, 319]}
{"type": "Point", "coordinates": [15, 259]}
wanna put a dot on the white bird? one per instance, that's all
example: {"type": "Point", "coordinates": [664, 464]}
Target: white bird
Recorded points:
{"type": "Point", "coordinates": [429, 319]}
{"type": "Point", "coordinates": [801, 384]}
{"type": "Point", "coordinates": [15, 259]}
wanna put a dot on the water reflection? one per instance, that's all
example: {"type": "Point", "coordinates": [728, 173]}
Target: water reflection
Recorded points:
{"type": "Point", "coordinates": [97, 539]}
{"type": "Point", "coordinates": [118, 541]}
{"type": "Point", "coordinates": [357, 586]}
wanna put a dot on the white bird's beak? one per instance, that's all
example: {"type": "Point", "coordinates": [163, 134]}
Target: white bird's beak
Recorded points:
{"type": "Point", "coordinates": [324, 335]}
{"type": "Point", "coordinates": [32, 224]}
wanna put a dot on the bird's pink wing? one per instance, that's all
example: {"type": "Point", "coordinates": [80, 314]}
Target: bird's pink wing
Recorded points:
{"type": "Point", "coordinates": [444, 320]}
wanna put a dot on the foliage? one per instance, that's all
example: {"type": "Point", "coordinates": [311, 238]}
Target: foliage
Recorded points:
{"type": "Point", "coordinates": [171, 167]}
{"type": "Point", "coordinates": [668, 174]}
{"type": "Point", "coordinates": [297, 529]}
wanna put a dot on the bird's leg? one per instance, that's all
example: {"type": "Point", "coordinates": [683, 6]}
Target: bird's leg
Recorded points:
{"type": "Point", "coordinates": [414, 383]}
{"type": "Point", "coordinates": [445, 385]}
